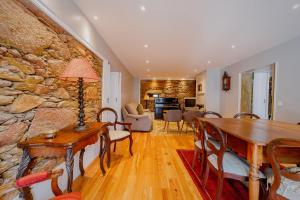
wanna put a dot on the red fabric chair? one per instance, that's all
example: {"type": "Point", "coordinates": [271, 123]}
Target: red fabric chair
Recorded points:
{"type": "Point", "coordinates": [32, 179]}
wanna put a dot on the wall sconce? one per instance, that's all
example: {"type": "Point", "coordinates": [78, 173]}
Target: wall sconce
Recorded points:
{"type": "Point", "coordinates": [226, 81]}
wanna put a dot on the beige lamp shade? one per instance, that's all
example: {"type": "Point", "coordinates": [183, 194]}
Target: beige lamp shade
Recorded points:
{"type": "Point", "coordinates": [146, 97]}
{"type": "Point", "coordinates": [80, 68]}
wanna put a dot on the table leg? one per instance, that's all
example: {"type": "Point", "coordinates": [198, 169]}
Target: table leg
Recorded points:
{"type": "Point", "coordinates": [102, 153]}
{"type": "Point", "coordinates": [254, 156]}
{"type": "Point", "coordinates": [22, 170]}
{"type": "Point", "coordinates": [69, 158]}
{"type": "Point", "coordinates": [81, 162]}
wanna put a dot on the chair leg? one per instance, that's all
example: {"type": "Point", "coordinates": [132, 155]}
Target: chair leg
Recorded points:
{"type": "Point", "coordinates": [186, 127]}
{"type": "Point", "coordinates": [182, 126]}
{"type": "Point", "coordinates": [206, 173]}
{"type": "Point", "coordinates": [178, 126]}
{"type": "Point", "coordinates": [195, 157]}
{"type": "Point", "coordinates": [168, 127]}
{"type": "Point", "coordinates": [220, 186]}
{"type": "Point", "coordinates": [108, 155]}
{"type": "Point", "coordinates": [202, 165]}
{"type": "Point", "coordinates": [165, 125]}
{"type": "Point", "coordinates": [115, 145]}
{"type": "Point", "coordinates": [130, 145]}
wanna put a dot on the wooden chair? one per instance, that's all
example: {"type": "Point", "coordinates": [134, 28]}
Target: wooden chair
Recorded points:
{"type": "Point", "coordinates": [199, 142]}
{"type": "Point", "coordinates": [285, 182]}
{"type": "Point", "coordinates": [32, 179]}
{"type": "Point", "coordinates": [115, 135]}
{"type": "Point", "coordinates": [223, 163]}
{"type": "Point", "coordinates": [211, 114]}
{"type": "Point", "coordinates": [246, 115]}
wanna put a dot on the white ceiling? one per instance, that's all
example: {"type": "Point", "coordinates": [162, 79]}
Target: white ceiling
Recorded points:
{"type": "Point", "coordinates": [183, 35]}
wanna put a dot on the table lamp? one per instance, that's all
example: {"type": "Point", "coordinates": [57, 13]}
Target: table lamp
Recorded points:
{"type": "Point", "coordinates": [80, 70]}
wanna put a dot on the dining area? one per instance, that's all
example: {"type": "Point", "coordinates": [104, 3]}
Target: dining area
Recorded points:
{"type": "Point", "coordinates": [263, 155]}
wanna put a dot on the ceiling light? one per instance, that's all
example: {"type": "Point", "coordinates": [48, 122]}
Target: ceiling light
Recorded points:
{"type": "Point", "coordinates": [296, 6]}
{"type": "Point", "coordinates": [148, 70]}
{"type": "Point", "coordinates": [147, 61]}
{"type": "Point", "coordinates": [208, 62]}
{"type": "Point", "coordinates": [95, 17]}
{"type": "Point", "coordinates": [233, 46]}
{"type": "Point", "coordinates": [143, 8]}
{"type": "Point", "coordinates": [146, 45]}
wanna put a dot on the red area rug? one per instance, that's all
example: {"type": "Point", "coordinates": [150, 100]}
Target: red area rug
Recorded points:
{"type": "Point", "coordinates": [233, 190]}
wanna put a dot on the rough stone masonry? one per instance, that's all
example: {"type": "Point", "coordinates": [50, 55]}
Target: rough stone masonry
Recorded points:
{"type": "Point", "coordinates": [33, 53]}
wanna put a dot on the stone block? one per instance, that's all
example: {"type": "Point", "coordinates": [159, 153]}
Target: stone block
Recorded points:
{"type": "Point", "coordinates": [4, 83]}
{"type": "Point", "coordinates": [61, 93]}
{"type": "Point", "coordinates": [5, 100]}
{"type": "Point", "coordinates": [25, 102]}
{"type": "Point", "coordinates": [47, 119]}
{"type": "Point", "coordinates": [34, 79]}
{"type": "Point", "coordinates": [13, 133]}
{"type": "Point", "coordinates": [6, 74]}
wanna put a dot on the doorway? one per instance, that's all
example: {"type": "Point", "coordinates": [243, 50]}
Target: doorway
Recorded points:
{"type": "Point", "coordinates": [257, 92]}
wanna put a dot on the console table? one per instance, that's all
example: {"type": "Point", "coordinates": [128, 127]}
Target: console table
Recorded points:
{"type": "Point", "coordinates": [66, 144]}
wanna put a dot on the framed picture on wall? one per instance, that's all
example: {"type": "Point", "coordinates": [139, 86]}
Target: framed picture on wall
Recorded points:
{"type": "Point", "coordinates": [200, 87]}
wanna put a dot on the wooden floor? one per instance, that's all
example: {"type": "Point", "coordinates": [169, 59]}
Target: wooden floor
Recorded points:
{"type": "Point", "coordinates": [155, 171]}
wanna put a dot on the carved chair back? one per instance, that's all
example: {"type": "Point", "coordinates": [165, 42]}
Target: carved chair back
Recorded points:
{"type": "Point", "coordinates": [211, 114]}
{"type": "Point", "coordinates": [217, 134]}
{"type": "Point", "coordinates": [274, 158]}
{"type": "Point", "coordinates": [114, 120]}
{"type": "Point", "coordinates": [246, 115]}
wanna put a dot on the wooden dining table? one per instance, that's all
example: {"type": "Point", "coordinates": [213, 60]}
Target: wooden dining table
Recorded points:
{"type": "Point", "coordinates": [249, 138]}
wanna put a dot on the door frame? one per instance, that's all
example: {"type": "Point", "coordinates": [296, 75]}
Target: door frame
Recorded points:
{"type": "Point", "coordinates": [275, 88]}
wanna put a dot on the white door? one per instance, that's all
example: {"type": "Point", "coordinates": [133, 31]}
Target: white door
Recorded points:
{"type": "Point", "coordinates": [115, 93]}
{"type": "Point", "coordinates": [261, 94]}
{"type": "Point", "coordinates": [105, 88]}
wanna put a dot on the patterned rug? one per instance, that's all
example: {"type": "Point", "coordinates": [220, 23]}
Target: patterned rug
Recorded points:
{"type": "Point", "coordinates": [158, 127]}
{"type": "Point", "coordinates": [233, 190]}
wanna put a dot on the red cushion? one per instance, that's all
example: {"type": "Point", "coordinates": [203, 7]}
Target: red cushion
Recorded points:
{"type": "Point", "coordinates": [69, 196]}
{"type": "Point", "coordinates": [32, 179]}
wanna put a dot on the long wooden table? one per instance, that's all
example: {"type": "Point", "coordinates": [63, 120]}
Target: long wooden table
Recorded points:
{"type": "Point", "coordinates": [249, 137]}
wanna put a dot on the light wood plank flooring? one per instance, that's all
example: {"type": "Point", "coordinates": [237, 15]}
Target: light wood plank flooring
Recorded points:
{"type": "Point", "coordinates": [155, 171]}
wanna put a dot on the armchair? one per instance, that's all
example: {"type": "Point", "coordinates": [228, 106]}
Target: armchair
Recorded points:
{"type": "Point", "coordinates": [139, 122]}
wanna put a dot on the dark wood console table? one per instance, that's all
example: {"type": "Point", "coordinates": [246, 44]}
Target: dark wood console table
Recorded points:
{"type": "Point", "coordinates": [66, 144]}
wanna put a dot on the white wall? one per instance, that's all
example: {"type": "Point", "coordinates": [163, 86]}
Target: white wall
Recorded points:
{"type": "Point", "coordinates": [211, 86]}
{"type": "Point", "coordinates": [69, 16]}
{"type": "Point", "coordinates": [287, 59]}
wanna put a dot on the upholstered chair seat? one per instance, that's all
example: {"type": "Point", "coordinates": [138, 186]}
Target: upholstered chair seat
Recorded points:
{"type": "Point", "coordinates": [199, 145]}
{"type": "Point", "coordinates": [116, 135]}
{"type": "Point", "coordinates": [232, 164]}
{"type": "Point", "coordinates": [288, 188]}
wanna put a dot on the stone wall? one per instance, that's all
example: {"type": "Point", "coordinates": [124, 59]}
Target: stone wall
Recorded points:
{"type": "Point", "coordinates": [33, 53]}
{"type": "Point", "coordinates": [169, 88]}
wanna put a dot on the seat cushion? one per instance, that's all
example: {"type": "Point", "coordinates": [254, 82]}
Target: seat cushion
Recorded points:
{"type": "Point", "coordinates": [132, 108]}
{"type": "Point", "coordinates": [69, 196]}
{"type": "Point", "coordinates": [116, 135]}
{"type": "Point", "coordinates": [214, 142]}
{"type": "Point", "coordinates": [233, 164]}
{"type": "Point", "coordinates": [288, 188]}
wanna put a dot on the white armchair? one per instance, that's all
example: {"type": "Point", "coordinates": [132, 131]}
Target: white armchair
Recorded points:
{"type": "Point", "coordinates": [139, 122]}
